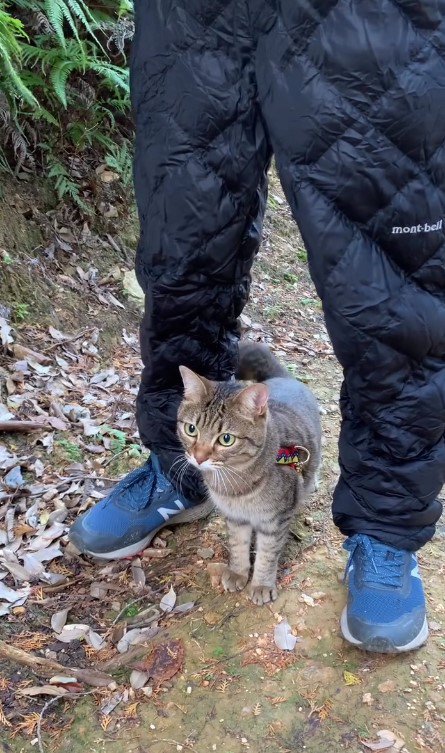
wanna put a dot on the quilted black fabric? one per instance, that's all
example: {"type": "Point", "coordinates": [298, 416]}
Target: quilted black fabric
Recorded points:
{"type": "Point", "coordinates": [350, 97]}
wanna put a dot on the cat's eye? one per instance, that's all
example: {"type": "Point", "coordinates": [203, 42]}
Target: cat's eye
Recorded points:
{"type": "Point", "coordinates": [227, 440]}
{"type": "Point", "coordinates": [191, 430]}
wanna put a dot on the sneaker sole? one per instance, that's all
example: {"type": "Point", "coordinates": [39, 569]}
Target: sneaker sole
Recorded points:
{"type": "Point", "coordinates": [380, 644]}
{"type": "Point", "coordinates": [197, 512]}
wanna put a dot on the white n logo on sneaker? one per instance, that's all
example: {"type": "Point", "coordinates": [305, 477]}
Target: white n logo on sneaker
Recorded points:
{"type": "Point", "coordinates": [167, 512]}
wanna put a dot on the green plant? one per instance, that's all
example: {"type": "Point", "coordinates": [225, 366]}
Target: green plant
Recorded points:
{"type": "Point", "coordinates": [64, 86]}
{"type": "Point", "coordinates": [21, 312]}
{"type": "Point", "coordinates": [118, 438]}
{"type": "Point", "coordinates": [290, 277]}
{"type": "Point", "coordinates": [120, 159]}
{"type": "Point", "coordinates": [135, 450]}
{"type": "Point", "coordinates": [71, 451]}
{"type": "Point", "coordinates": [64, 185]}
{"type": "Point", "coordinates": [12, 34]}
{"type": "Point", "coordinates": [274, 313]}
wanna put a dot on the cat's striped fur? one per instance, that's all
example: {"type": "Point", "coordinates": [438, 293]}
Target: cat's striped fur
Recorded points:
{"type": "Point", "coordinates": [254, 493]}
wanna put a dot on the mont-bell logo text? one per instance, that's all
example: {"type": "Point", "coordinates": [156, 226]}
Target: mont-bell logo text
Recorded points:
{"type": "Point", "coordinates": [413, 229]}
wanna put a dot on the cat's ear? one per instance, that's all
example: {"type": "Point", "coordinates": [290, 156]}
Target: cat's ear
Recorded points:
{"type": "Point", "coordinates": [195, 387]}
{"type": "Point", "coordinates": [254, 399]}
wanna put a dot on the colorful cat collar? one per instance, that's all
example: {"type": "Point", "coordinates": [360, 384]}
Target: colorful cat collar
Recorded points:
{"type": "Point", "coordinates": [296, 457]}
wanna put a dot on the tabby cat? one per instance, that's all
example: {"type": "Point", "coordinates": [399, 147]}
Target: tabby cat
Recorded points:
{"type": "Point", "coordinates": [232, 432]}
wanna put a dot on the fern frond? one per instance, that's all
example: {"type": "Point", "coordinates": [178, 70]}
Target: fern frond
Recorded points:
{"type": "Point", "coordinates": [59, 76]}
{"type": "Point", "coordinates": [15, 81]}
{"type": "Point", "coordinates": [55, 15]}
{"type": "Point", "coordinates": [45, 115]}
{"type": "Point", "coordinates": [112, 74]}
{"type": "Point", "coordinates": [82, 12]}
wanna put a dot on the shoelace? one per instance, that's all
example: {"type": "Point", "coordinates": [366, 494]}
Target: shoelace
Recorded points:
{"type": "Point", "coordinates": [378, 567]}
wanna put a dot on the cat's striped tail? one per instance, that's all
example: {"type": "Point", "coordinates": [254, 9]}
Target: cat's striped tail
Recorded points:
{"type": "Point", "coordinates": [257, 363]}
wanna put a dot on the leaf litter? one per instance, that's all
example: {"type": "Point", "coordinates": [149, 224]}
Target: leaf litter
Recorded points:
{"type": "Point", "coordinates": [57, 387]}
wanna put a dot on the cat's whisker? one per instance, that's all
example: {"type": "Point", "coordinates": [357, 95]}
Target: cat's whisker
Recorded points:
{"type": "Point", "coordinates": [178, 475]}
{"type": "Point", "coordinates": [220, 476]}
{"type": "Point", "coordinates": [231, 484]}
{"type": "Point", "coordinates": [236, 475]}
{"type": "Point", "coordinates": [180, 459]}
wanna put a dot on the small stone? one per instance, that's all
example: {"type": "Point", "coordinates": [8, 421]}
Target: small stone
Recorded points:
{"type": "Point", "coordinates": [189, 690]}
{"type": "Point", "coordinates": [388, 686]}
{"type": "Point", "coordinates": [212, 618]}
{"type": "Point", "coordinates": [206, 553]}
{"type": "Point", "coordinates": [318, 595]}
{"type": "Point", "coordinates": [307, 600]}
{"type": "Point", "coordinates": [108, 176]}
{"type": "Point", "coordinates": [308, 521]}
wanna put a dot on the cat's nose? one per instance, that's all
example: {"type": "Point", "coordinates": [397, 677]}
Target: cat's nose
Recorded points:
{"type": "Point", "coordinates": [201, 455]}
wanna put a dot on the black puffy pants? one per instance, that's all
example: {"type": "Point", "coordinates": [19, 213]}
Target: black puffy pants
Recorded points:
{"type": "Point", "coordinates": [350, 98]}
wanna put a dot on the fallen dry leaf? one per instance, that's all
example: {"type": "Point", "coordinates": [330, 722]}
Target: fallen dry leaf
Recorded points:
{"type": "Point", "coordinates": [138, 679]}
{"type": "Point", "coordinates": [73, 632]}
{"type": "Point", "coordinates": [351, 679]}
{"type": "Point", "coordinates": [58, 620]}
{"type": "Point", "coordinates": [397, 744]}
{"type": "Point", "coordinates": [283, 636]}
{"type": "Point", "coordinates": [42, 690]}
{"type": "Point", "coordinates": [138, 573]}
{"type": "Point", "coordinates": [110, 703]}
{"type": "Point", "coordinates": [386, 740]}
{"type": "Point", "coordinates": [216, 570]}
{"type": "Point", "coordinates": [136, 636]}
{"type": "Point", "coordinates": [155, 553]}
{"type": "Point", "coordinates": [164, 662]}
{"type": "Point", "coordinates": [168, 601]}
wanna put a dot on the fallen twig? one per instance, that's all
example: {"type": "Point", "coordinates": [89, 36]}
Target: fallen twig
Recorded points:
{"type": "Point", "coordinates": [122, 660]}
{"type": "Point", "coordinates": [70, 339]}
{"type": "Point", "coordinates": [25, 426]}
{"type": "Point", "coordinates": [48, 667]}
{"type": "Point", "coordinates": [130, 604]}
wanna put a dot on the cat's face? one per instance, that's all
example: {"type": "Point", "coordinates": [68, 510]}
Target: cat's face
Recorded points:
{"type": "Point", "coordinates": [221, 425]}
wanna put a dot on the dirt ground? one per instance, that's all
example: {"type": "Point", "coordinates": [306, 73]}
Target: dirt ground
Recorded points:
{"type": "Point", "coordinates": [229, 688]}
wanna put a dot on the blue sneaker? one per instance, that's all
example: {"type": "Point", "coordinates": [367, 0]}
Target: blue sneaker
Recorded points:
{"type": "Point", "coordinates": [386, 602]}
{"type": "Point", "coordinates": [123, 523]}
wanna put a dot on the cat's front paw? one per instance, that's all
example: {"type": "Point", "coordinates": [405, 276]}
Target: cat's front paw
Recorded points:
{"type": "Point", "coordinates": [262, 594]}
{"type": "Point", "coordinates": [234, 581]}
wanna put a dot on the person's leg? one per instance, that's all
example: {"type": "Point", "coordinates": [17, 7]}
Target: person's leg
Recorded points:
{"type": "Point", "coordinates": [200, 181]}
{"type": "Point", "coordinates": [354, 98]}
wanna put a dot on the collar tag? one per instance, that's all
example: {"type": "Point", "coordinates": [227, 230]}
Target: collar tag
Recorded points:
{"type": "Point", "coordinates": [296, 457]}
